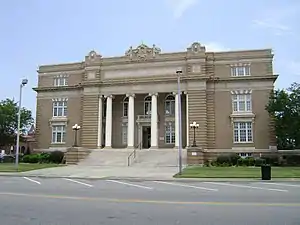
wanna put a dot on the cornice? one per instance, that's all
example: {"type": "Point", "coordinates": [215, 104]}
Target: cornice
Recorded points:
{"type": "Point", "coordinates": [62, 88]}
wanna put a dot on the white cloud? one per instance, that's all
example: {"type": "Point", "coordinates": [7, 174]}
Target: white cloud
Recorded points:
{"type": "Point", "coordinates": [179, 7]}
{"type": "Point", "coordinates": [215, 47]}
{"type": "Point", "coordinates": [278, 20]}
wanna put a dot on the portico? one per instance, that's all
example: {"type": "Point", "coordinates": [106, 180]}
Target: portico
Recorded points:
{"type": "Point", "coordinates": [146, 120]}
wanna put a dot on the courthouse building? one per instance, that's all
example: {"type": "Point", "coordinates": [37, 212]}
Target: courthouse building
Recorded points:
{"type": "Point", "coordinates": [131, 100]}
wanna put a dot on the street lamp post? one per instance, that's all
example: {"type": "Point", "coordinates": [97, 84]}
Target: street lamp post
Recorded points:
{"type": "Point", "coordinates": [23, 83]}
{"type": "Point", "coordinates": [179, 73]}
{"type": "Point", "coordinates": [194, 125]}
{"type": "Point", "coordinates": [76, 128]}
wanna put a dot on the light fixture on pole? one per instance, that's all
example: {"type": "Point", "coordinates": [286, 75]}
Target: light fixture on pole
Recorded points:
{"type": "Point", "coordinates": [23, 83]}
{"type": "Point", "coordinates": [179, 73]}
{"type": "Point", "coordinates": [76, 128]}
{"type": "Point", "coordinates": [194, 125]}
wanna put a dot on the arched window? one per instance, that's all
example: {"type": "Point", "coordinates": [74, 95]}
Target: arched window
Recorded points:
{"type": "Point", "coordinates": [125, 106]}
{"type": "Point", "coordinates": [147, 105]}
{"type": "Point", "coordinates": [170, 105]}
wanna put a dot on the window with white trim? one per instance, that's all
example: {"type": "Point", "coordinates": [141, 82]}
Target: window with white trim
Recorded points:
{"type": "Point", "coordinates": [147, 105]}
{"type": "Point", "coordinates": [170, 133]}
{"type": "Point", "coordinates": [241, 103]}
{"type": "Point", "coordinates": [60, 81]}
{"type": "Point", "coordinates": [170, 105]}
{"type": "Point", "coordinates": [59, 108]}
{"type": "Point", "coordinates": [125, 107]}
{"type": "Point", "coordinates": [237, 71]}
{"type": "Point", "coordinates": [242, 132]}
{"type": "Point", "coordinates": [124, 135]}
{"type": "Point", "coordinates": [245, 155]}
{"type": "Point", "coordinates": [59, 134]}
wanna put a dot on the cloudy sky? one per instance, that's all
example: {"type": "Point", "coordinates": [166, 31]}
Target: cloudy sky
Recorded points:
{"type": "Point", "coordinates": [35, 32]}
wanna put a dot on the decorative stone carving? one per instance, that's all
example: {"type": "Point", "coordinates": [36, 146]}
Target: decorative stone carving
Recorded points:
{"type": "Point", "coordinates": [142, 52]}
{"type": "Point", "coordinates": [93, 55]}
{"type": "Point", "coordinates": [196, 48]}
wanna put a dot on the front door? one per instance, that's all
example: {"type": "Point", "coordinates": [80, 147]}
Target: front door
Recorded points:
{"type": "Point", "coordinates": [146, 136]}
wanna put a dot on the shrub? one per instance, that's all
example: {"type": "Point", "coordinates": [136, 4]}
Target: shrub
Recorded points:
{"type": "Point", "coordinates": [56, 157]}
{"type": "Point", "coordinates": [249, 161]}
{"type": "Point", "coordinates": [271, 160]}
{"type": "Point", "coordinates": [292, 160]}
{"type": "Point", "coordinates": [44, 157]}
{"type": "Point", "coordinates": [33, 158]}
{"type": "Point", "coordinates": [230, 159]}
{"type": "Point", "coordinates": [260, 162]}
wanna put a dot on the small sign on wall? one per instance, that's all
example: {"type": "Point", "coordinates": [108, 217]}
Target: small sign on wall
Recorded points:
{"type": "Point", "coordinates": [194, 153]}
{"type": "Point", "coordinates": [161, 138]}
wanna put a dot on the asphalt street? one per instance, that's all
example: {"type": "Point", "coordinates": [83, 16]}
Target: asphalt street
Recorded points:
{"type": "Point", "coordinates": [59, 201]}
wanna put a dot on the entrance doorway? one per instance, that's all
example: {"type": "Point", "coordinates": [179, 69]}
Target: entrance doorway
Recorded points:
{"type": "Point", "coordinates": [146, 137]}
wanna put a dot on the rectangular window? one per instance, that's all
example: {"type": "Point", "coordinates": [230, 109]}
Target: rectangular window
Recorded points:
{"type": "Point", "coordinates": [147, 109]}
{"type": "Point", "coordinates": [242, 132]}
{"type": "Point", "coordinates": [242, 103]}
{"type": "Point", "coordinates": [125, 109]}
{"type": "Point", "coordinates": [170, 108]}
{"type": "Point", "coordinates": [245, 155]}
{"type": "Point", "coordinates": [59, 108]}
{"type": "Point", "coordinates": [58, 134]}
{"type": "Point", "coordinates": [60, 81]}
{"type": "Point", "coordinates": [124, 135]}
{"type": "Point", "coordinates": [170, 133]}
{"type": "Point", "coordinates": [237, 71]}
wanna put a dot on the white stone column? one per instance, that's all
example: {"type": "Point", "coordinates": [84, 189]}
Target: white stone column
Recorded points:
{"type": "Point", "coordinates": [131, 122]}
{"type": "Point", "coordinates": [176, 120]}
{"type": "Point", "coordinates": [100, 104]}
{"type": "Point", "coordinates": [154, 135]}
{"type": "Point", "coordinates": [108, 125]}
{"type": "Point", "coordinates": [187, 120]}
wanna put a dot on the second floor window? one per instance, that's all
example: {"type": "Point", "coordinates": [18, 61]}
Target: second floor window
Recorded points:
{"type": "Point", "coordinates": [59, 108]}
{"type": "Point", "coordinates": [237, 71]}
{"type": "Point", "coordinates": [170, 105]}
{"type": "Point", "coordinates": [241, 103]}
{"type": "Point", "coordinates": [60, 81]}
{"type": "Point", "coordinates": [147, 106]}
{"type": "Point", "coordinates": [125, 107]}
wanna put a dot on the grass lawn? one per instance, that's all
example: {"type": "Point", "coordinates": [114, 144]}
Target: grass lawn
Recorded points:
{"type": "Point", "coordinates": [10, 167]}
{"type": "Point", "coordinates": [237, 172]}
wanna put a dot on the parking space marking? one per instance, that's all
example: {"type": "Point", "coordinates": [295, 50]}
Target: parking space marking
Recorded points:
{"type": "Point", "coordinates": [129, 184]}
{"type": "Point", "coordinates": [280, 184]}
{"type": "Point", "coordinates": [245, 186]}
{"type": "Point", "coordinates": [188, 186]}
{"type": "Point", "coordinates": [34, 181]}
{"type": "Point", "coordinates": [78, 182]}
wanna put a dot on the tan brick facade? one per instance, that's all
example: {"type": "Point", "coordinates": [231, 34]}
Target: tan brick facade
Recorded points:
{"type": "Point", "coordinates": [210, 82]}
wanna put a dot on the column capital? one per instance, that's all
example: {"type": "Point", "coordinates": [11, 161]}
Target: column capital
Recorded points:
{"type": "Point", "coordinates": [130, 95]}
{"type": "Point", "coordinates": [109, 96]}
{"type": "Point", "coordinates": [100, 96]}
{"type": "Point", "coordinates": [185, 92]}
{"type": "Point", "coordinates": [175, 93]}
{"type": "Point", "coordinates": [153, 93]}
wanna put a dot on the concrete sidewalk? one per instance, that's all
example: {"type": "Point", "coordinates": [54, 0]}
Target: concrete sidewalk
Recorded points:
{"type": "Point", "coordinates": [122, 173]}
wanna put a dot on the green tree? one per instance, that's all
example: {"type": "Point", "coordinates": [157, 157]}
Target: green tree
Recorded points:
{"type": "Point", "coordinates": [284, 108]}
{"type": "Point", "coordinates": [9, 121]}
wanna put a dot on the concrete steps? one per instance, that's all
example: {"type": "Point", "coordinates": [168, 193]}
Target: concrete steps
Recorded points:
{"type": "Point", "coordinates": [159, 158]}
{"type": "Point", "coordinates": [106, 157]}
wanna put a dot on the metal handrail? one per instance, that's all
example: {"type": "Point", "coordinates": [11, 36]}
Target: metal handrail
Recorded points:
{"type": "Point", "coordinates": [133, 153]}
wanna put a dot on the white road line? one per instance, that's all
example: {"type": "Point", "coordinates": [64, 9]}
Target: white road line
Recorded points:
{"type": "Point", "coordinates": [134, 185]}
{"type": "Point", "coordinates": [245, 186]}
{"type": "Point", "coordinates": [78, 182]}
{"type": "Point", "coordinates": [34, 181]}
{"type": "Point", "coordinates": [185, 185]}
{"type": "Point", "coordinates": [279, 184]}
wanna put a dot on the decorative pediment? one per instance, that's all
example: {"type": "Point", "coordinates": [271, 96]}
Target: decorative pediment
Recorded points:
{"type": "Point", "coordinates": [196, 48]}
{"type": "Point", "coordinates": [142, 52]}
